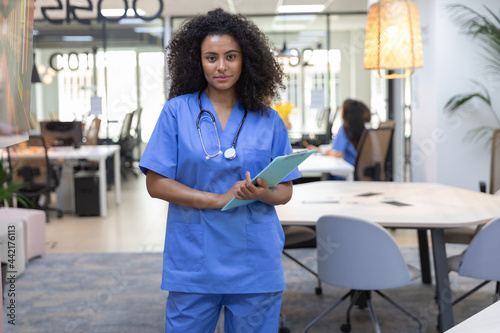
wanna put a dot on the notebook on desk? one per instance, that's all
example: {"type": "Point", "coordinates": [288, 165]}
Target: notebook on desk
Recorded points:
{"type": "Point", "coordinates": [278, 169]}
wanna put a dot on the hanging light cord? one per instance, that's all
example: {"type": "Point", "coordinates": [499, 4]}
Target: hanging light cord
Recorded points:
{"type": "Point", "coordinates": [378, 39]}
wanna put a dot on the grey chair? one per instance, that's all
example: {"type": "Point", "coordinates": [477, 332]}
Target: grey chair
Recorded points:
{"type": "Point", "coordinates": [361, 256]}
{"type": "Point", "coordinates": [481, 259]}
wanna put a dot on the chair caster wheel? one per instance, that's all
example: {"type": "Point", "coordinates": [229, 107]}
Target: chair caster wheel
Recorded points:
{"type": "Point", "coordinates": [59, 214]}
{"type": "Point", "coordinates": [284, 330]}
{"type": "Point", "coordinates": [345, 328]}
{"type": "Point", "coordinates": [318, 290]}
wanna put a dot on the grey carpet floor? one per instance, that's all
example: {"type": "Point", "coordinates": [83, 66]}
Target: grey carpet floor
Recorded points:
{"type": "Point", "coordinates": [120, 293]}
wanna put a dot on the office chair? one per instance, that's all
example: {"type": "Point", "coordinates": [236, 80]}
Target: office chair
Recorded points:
{"type": "Point", "coordinates": [90, 138]}
{"type": "Point", "coordinates": [301, 237]}
{"type": "Point", "coordinates": [137, 133]}
{"type": "Point", "coordinates": [495, 162]}
{"type": "Point", "coordinates": [372, 153]}
{"type": "Point", "coordinates": [34, 171]}
{"type": "Point", "coordinates": [465, 235]}
{"type": "Point", "coordinates": [363, 257]}
{"type": "Point", "coordinates": [127, 145]}
{"type": "Point", "coordinates": [481, 259]}
{"type": "Point", "coordinates": [92, 132]}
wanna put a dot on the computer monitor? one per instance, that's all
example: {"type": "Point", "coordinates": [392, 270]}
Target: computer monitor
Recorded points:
{"type": "Point", "coordinates": [62, 133]}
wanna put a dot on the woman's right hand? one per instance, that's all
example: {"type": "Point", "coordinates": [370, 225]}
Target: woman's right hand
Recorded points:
{"type": "Point", "coordinates": [334, 153]}
{"type": "Point", "coordinates": [308, 146]}
{"type": "Point", "coordinates": [224, 198]}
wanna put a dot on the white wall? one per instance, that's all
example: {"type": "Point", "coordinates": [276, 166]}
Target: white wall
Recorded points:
{"type": "Point", "coordinates": [451, 61]}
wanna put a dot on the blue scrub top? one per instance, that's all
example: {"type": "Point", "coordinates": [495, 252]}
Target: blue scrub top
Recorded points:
{"type": "Point", "coordinates": [342, 144]}
{"type": "Point", "coordinates": [207, 250]}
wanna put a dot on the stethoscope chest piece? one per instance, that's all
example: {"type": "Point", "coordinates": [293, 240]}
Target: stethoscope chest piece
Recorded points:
{"type": "Point", "coordinates": [230, 153]}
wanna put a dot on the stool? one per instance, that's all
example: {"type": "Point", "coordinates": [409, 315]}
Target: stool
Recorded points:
{"type": "Point", "coordinates": [12, 247]}
{"type": "Point", "coordinates": [34, 228]}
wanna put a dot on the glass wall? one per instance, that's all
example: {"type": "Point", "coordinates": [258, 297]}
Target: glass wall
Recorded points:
{"type": "Point", "coordinates": [120, 63]}
{"type": "Point", "coordinates": [327, 68]}
{"type": "Point", "coordinates": [123, 63]}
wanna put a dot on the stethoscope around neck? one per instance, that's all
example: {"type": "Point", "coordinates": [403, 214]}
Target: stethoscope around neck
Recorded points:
{"type": "Point", "coordinates": [230, 153]}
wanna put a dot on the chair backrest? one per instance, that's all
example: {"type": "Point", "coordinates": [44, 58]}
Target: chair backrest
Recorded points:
{"type": "Point", "coordinates": [126, 126]}
{"type": "Point", "coordinates": [386, 123]}
{"type": "Point", "coordinates": [92, 133]}
{"type": "Point", "coordinates": [482, 257]}
{"type": "Point", "coordinates": [137, 124]}
{"type": "Point", "coordinates": [30, 167]}
{"type": "Point", "coordinates": [358, 254]}
{"type": "Point", "coordinates": [371, 158]}
{"type": "Point", "coordinates": [495, 162]}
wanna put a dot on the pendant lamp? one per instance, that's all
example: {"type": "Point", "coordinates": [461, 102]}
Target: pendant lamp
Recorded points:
{"type": "Point", "coordinates": [35, 77]}
{"type": "Point", "coordinates": [393, 39]}
{"type": "Point", "coordinates": [286, 52]}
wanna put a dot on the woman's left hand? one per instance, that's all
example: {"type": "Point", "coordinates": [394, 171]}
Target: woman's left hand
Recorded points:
{"type": "Point", "coordinates": [248, 191]}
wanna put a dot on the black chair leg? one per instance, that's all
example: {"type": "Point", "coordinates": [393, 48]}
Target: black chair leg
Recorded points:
{"type": "Point", "coordinates": [400, 308]}
{"type": "Point", "coordinates": [346, 327]}
{"type": "Point", "coordinates": [318, 289]}
{"type": "Point", "coordinates": [318, 318]}
{"type": "Point", "coordinates": [470, 292]}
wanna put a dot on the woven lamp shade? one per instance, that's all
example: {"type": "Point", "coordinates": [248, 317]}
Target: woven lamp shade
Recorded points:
{"type": "Point", "coordinates": [393, 40]}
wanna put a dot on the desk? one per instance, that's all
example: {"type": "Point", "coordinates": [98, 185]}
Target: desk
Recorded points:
{"type": "Point", "coordinates": [430, 206]}
{"type": "Point", "coordinates": [485, 321]}
{"type": "Point", "coordinates": [70, 155]}
{"type": "Point", "coordinates": [65, 191]}
{"type": "Point", "coordinates": [318, 163]}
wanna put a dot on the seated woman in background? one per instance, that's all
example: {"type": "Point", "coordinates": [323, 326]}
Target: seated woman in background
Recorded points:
{"type": "Point", "coordinates": [356, 117]}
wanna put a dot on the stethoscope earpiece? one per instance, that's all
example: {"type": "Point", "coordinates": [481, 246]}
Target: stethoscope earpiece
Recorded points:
{"type": "Point", "coordinates": [212, 156]}
{"type": "Point", "coordinates": [230, 153]}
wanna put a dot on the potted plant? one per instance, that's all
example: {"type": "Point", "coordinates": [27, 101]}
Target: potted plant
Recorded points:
{"type": "Point", "coordinates": [486, 31]}
{"type": "Point", "coordinates": [8, 189]}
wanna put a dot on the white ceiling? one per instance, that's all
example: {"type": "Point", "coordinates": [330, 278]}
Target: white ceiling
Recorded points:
{"type": "Point", "coordinates": [192, 7]}
{"type": "Point", "coordinates": [296, 26]}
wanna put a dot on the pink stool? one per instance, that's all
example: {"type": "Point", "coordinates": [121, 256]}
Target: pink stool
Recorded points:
{"type": "Point", "coordinates": [34, 228]}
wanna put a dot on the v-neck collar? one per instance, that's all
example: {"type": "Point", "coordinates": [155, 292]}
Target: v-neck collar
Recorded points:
{"type": "Point", "coordinates": [233, 121]}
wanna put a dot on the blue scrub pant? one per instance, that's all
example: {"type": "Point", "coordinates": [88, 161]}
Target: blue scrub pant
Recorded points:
{"type": "Point", "coordinates": [198, 313]}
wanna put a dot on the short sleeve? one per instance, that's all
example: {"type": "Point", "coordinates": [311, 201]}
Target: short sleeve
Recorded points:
{"type": "Point", "coordinates": [160, 154]}
{"type": "Point", "coordinates": [342, 144]}
{"type": "Point", "coordinates": [340, 140]}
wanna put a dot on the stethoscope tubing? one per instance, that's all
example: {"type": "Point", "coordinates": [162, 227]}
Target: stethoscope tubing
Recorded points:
{"type": "Point", "coordinates": [230, 152]}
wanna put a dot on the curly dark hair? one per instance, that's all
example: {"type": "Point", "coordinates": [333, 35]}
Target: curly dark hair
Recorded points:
{"type": "Point", "coordinates": [355, 114]}
{"type": "Point", "coordinates": [261, 76]}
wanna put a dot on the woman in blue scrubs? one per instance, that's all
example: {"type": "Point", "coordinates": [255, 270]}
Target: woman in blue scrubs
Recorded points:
{"type": "Point", "coordinates": [213, 135]}
{"type": "Point", "coordinates": [356, 116]}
